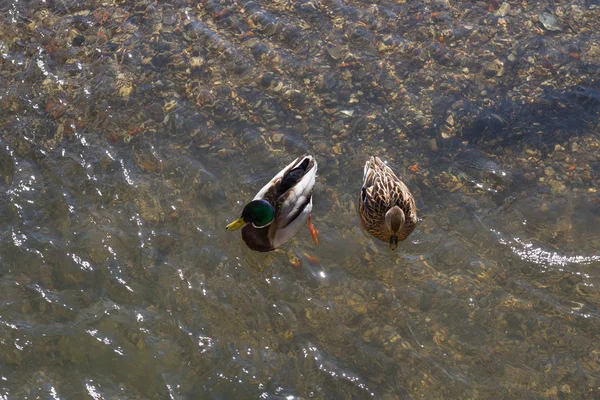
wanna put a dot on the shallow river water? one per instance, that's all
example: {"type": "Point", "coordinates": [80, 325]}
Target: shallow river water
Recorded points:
{"type": "Point", "coordinates": [132, 132]}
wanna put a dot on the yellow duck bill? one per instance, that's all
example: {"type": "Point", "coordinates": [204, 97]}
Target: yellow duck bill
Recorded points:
{"type": "Point", "coordinates": [237, 224]}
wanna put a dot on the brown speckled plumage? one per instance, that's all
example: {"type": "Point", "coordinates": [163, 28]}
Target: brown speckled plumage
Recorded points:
{"type": "Point", "coordinates": [381, 191]}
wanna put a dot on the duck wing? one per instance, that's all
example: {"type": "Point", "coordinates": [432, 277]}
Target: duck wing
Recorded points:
{"type": "Point", "coordinates": [295, 191]}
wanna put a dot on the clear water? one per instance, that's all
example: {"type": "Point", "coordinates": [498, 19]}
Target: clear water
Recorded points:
{"type": "Point", "coordinates": [133, 132]}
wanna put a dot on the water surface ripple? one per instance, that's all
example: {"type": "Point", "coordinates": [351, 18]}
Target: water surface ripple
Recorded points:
{"type": "Point", "coordinates": [132, 132]}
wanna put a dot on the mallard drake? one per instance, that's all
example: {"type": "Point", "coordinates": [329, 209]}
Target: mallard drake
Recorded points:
{"type": "Point", "coordinates": [386, 206]}
{"type": "Point", "coordinates": [280, 208]}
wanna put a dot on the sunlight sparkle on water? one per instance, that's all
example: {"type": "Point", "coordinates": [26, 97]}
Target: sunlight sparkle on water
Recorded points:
{"type": "Point", "coordinates": [53, 393]}
{"type": "Point", "coordinates": [126, 173]}
{"type": "Point", "coordinates": [106, 341]}
{"type": "Point", "coordinates": [93, 392]}
{"type": "Point", "coordinates": [42, 293]}
{"type": "Point", "coordinates": [537, 255]}
{"type": "Point", "coordinates": [85, 265]}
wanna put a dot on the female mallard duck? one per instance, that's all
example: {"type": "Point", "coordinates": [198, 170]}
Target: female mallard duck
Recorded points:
{"type": "Point", "coordinates": [278, 211]}
{"type": "Point", "coordinates": [386, 206]}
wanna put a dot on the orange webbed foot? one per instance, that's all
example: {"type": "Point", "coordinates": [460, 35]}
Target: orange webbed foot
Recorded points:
{"type": "Point", "coordinates": [313, 231]}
